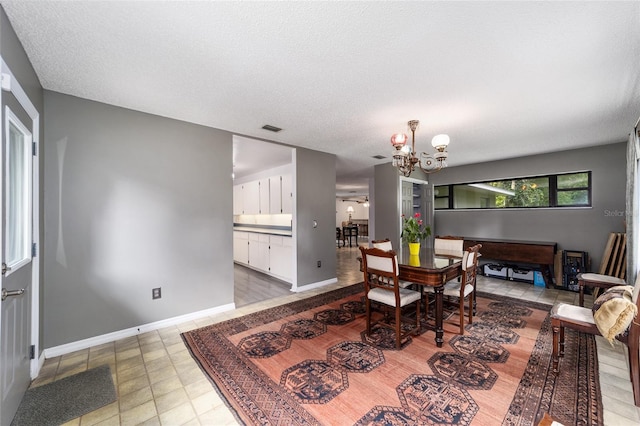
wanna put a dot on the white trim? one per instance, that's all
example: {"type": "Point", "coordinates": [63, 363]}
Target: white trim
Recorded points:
{"type": "Point", "coordinates": [294, 220]}
{"type": "Point", "coordinates": [314, 285]}
{"type": "Point", "coordinates": [133, 331]}
{"type": "Point", "coordinates": [19, 93]}
{"type": "Point", "coordinates": [10, 83]}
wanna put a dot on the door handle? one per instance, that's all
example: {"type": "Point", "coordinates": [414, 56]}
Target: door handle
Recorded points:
{"type": "Point", "coordinates": [5, 268]}
{"type": "Point", "coordinates": [7, 293]}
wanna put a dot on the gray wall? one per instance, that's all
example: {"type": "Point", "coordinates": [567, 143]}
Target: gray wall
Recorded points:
{"type": "Point", "coordinates": [16, 59]}
{"type": "Point", "coordinates": [315, 188]}
{"type": "Point", "coordinates": [581, 229]}
{"type": "Point", "coordinates": [385, 223]}
{"type": "Point", "coordinates": [132, 202]}
{"type": "Point", "coordinates": [387, 212]}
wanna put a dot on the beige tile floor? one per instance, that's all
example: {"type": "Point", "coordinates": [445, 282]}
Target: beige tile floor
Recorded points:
{"type": "Point", "coordinates": [158, 383]}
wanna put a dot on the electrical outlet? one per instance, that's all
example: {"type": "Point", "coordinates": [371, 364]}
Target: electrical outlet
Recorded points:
{"type": "Point", "coordinates": [156, 293]}
{"type": "Point", "coordinates": [319, 264]}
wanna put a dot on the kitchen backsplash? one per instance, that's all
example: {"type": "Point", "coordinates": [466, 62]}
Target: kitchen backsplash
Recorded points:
{"type": "Point", "coordinates": [264, 219]}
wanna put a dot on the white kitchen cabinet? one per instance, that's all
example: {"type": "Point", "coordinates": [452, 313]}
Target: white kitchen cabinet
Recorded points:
{"type": "Point", "coordinates": [265, 196]}
{"type": "Point", "coordinates": [264, 190]}
{"type": "Point", "coordinates": [241, 247]}
{"type": "Point", "coordinates": [275, 201]}
{"type": "Point", "coordinates": [237, 200]}
{"type": "Point", "coordinates": [281, 257]}
{"type": "Point", "coordinates": [287, 194]}
{"type": "Point", "coordinates": [259, 251]}
{"type": "Point", "coordinates": [271, 254]}
{"type": "Point", "coordinates": [280, 194]}
{"type": "Point", "coordinates": [251, 197]}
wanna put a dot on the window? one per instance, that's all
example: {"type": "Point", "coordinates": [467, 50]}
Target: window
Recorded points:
{"type": "Point", "coordinates": [565, 190]}
{"type": "Point", "coordinates": [574, 189]}
{"type": "Point", "coordinates": [18, 193]}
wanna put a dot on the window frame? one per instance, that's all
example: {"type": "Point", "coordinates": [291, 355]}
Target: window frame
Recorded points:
{"type": "Point", "coordinates": [25, 229]}
{"type": "Point", "coordinates": [553, 193]}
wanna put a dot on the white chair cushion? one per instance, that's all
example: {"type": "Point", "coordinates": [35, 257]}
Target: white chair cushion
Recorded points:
{"type": "Point", "coordinates": [576, 313]}
{"type": "Point", "coordinates": [452, 288]}
{"type": "Point", "coordinates": [388, 297]}
{"type": "Point", "coordinates": [404, 284]}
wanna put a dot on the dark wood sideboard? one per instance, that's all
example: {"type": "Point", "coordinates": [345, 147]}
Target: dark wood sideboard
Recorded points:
{"type": "Point", "coordinates": [530, 252]}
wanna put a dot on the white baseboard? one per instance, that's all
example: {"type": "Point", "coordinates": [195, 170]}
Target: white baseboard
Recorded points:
{"type": "Point", "coordinates": [315, 285]}
{"type": "Point", "coordinates": [133, 331]}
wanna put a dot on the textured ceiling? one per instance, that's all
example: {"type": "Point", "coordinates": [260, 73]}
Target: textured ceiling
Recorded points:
{"type": "Point", "coordinates": [503, 79]}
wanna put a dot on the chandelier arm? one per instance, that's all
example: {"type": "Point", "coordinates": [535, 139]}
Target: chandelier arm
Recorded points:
{"type": "Point", "coordinates": [427, 171]}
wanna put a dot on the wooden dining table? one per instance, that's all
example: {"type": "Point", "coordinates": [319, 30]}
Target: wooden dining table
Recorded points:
{"type": "Point", "coordinates": [430, 268]}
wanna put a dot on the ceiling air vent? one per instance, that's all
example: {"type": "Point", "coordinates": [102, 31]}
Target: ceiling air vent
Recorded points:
{"type": "Point", "coordinates": [379, 157]}
{"type": "Point", "coordinates": [271, 128]}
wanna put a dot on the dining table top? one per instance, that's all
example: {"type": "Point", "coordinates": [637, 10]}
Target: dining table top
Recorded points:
{"type": "Point", "coordinates": [429, 267]}
{"type": "Point", "coordinates": [430, 259]}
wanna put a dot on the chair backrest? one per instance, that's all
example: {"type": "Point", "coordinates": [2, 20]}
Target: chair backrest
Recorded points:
{"type": "Point", "coordinates": [448, 244]}
{"type": "Point", "coordinates": [382, 244]}
{"type": "Point", "coordinates": [470, 265]}
{"type": "Point", "coordinates": [380, 269]}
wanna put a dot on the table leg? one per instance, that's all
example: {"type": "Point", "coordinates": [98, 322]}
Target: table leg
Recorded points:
{"type": "Point", "coordinates": [439, 329]}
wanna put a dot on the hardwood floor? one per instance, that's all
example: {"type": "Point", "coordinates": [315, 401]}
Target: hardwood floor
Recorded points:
{"type": "Point", "coordinates": [251, 286]}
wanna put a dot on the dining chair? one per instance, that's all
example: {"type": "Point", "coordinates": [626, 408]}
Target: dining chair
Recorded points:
{"type": "Point", "coordinates": [381, 285]}
{"type": "Point", "coordinates": [464, 288]}
{"type": "Point", "coordinates": [448, 243]}
{"type": "Point", "coordinates": [613, 316]}
{"type": "Point", "coordinates": [338, 236]}
{"type": "Point", "coordinates": [386, 245]}
{"type": "Point", "coordinates": [382, 244]}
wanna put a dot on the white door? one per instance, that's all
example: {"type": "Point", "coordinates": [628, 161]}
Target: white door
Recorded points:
{"type": "Point", "coordinates": [16, 165]}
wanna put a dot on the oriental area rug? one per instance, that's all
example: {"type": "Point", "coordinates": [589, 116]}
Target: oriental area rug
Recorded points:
{"type": "Point", "coordinates": [310, 363]}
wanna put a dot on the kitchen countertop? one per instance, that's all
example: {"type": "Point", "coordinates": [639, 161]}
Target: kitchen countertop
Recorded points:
{"type": "Point", "coordinates": [270, 230]}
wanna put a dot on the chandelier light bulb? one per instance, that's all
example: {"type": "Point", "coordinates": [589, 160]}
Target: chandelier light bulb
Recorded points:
{"type": "Point", "coordinates": [399, 139]}
{"type": "Point", "coordinates": [440, 141]}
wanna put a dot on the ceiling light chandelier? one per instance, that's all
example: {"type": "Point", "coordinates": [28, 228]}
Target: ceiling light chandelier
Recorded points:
{"type": "Point", "coordinates": [405, 158]}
